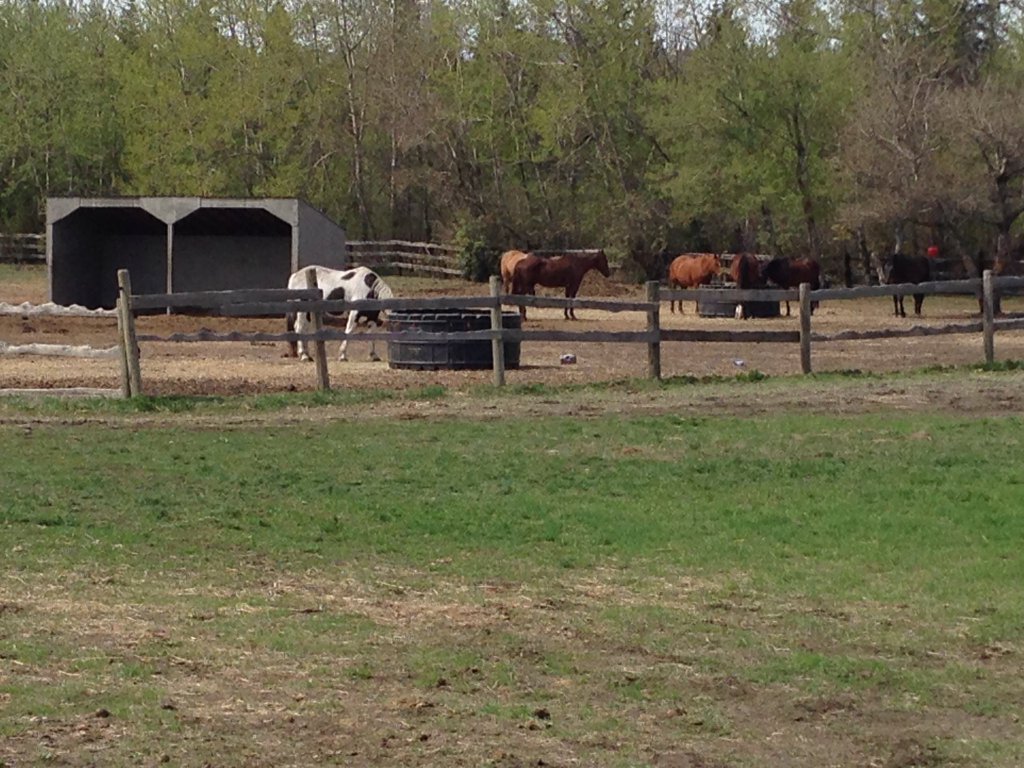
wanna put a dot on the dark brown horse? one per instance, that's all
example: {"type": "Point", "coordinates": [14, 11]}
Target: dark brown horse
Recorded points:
{"type": "Point", "coordinates": [565, 271]}
{"type": "Point", "coordinates": [745, 271]}
{"type": "Point", "coordinates": [900, 268]}
{"type": "Point", "coordinates": [790, 273]}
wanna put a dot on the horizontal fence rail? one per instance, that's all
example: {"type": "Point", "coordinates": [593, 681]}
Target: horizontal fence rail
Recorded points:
{"type": "Point", "coordinates": [20, 248]}
{"type": "Point", "coordinates": [263, 302]}
{"type": "Point", "coordinates": [260, 300]}
{"type": "Point", "coordinates": [404, 256]}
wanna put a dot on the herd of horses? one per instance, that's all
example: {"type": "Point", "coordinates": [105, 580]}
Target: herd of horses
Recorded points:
{"type": "Point", "coordinates": [692, 270]}
{"type": "Point", "coordinates": [522, 271]}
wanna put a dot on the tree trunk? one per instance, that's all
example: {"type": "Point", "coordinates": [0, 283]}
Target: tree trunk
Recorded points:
{"type": "Point", "coordinates": [803, 183]}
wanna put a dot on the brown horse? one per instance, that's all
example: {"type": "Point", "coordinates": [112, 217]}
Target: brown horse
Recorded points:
{"type": "Point", "coordinates": [745, 271]}
{"type": "Point", "coordinates": [790, 273]}
{"type": "Point", "coordinates": [509, 259]}
{"type": "Point", "coordinates": [691, 270]}
{"type": "Point", "coordinates": [565, 271]}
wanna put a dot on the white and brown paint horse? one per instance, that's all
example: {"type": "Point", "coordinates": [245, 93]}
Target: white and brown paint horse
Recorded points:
{"type": "Point", "coordinates": [353, 284]}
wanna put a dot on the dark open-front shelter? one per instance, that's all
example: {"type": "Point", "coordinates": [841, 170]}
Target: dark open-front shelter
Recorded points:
{"type": "Point", "coordinates": [179, 244]}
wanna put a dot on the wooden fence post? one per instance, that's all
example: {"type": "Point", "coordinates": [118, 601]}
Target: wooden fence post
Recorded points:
{"type": "Point", "coordinates": [654, 326]}
{"type": "Point", "coordinates": [988, 325]}
{"type": "Point", "coordinates": [122, 347]}
{"type": "Point", "coordinates": [132, 371]}
{"type": "Point", "coordinates": [323, 381]}
{"type": "Point", "coordinates": [805, 327]}
{"type": "Point", "coordinates": [498, 337]}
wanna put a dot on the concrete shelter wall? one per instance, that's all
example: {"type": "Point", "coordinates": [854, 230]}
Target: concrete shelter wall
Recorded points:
{"type": "Point", "coordinates": [145, 258]}
{"type": "Point", "coordinates": [86, 248]}
{"type": "Point", "coordinates": [228, 262]}
{"type": "Point", "coordinates": [73, 262]}
{"type": "Point", "coordinates": [321, 241]}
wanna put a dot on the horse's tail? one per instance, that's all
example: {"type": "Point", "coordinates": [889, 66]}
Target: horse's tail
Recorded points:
{"type": "Point", "coordinates": [382, 290]}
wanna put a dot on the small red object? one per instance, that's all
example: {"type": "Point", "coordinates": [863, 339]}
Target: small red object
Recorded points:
{"type": "Point", "coordinates": [933, 251]}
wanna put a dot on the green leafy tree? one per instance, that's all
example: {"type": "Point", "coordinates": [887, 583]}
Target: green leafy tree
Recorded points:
{"type": "Point", "coordinates": [60, 132]}
{"type": "Point", "coordinates": [751, 123]}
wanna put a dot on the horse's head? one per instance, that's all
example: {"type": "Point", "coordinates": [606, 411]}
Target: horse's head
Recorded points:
{"type": "Point", "coordinates": [716, 263]}
{"type": "Point", "coordinates": [883, 266]}
{"type": "Point", "coordinates": [601, 263]}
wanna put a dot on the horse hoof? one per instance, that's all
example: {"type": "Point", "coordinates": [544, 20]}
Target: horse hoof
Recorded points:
{"type": "Point", "coordinates": [374, 358]}
{"type": "Point", "coordinates": [306, 359]}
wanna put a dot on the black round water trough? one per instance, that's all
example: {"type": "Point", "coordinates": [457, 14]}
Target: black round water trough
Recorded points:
{"type": "Point", "coordinates": [445, 354]}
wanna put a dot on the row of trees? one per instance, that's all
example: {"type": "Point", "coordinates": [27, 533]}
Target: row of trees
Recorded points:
{"type": "Point", "coordinates": [794, 127]}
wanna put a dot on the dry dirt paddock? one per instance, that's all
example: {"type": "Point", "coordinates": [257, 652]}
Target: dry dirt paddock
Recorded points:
{"type": "Point", "coordinates": [241, 367]}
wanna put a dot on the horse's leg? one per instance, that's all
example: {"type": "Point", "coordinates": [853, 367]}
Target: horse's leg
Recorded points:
{"type": "Point", "coordinates": [571, 290]}
{"type": "Point", "coordinates": [302, 323]}
{"type": "Point", "coordinates": [787, 308]}
{"type": "Point", "coordinates": [373, 344]}
{"type": "Point", "coordinates": [350, 326]}
{"type": "Point", "coordinates": [918, 301]}
{"type": "Point", "coordinates": [530, 291]}
{"type": "Point", "coordinates": [289, 324]}
{"type": "Point", "coordinates": [353, 317]}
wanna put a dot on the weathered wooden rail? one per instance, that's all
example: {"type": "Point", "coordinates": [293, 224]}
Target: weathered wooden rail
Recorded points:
{"type": "Point", "coordinates": [282, 301]}
{"type": "Point", "coordinates": [406, 257]}
{"type": "Point", "coordinates": [19, 248]}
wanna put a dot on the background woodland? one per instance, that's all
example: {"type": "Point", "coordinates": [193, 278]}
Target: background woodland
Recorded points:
{"type": "Point", "coordinates": [829, 128]}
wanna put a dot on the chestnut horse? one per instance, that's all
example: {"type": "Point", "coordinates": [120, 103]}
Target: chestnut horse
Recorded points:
{"type": "Point", "coordinates": [745, 271]}
{"type": "Point", "coordinates": [566, 271]}
{"type": "Point", "coordinates": [690, 271]}
{"type": "Point", "coordinates": [790, 273]}
{"type": "Point", "coordinates": [509, 259]}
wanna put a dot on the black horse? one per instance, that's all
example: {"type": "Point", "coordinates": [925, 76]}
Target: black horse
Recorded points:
{"type": "Point", "coordinates": [903, 268]}
{"type": "Point", "coordinates": [790, 273]}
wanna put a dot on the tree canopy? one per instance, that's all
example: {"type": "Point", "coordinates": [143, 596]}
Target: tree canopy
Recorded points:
{"type": "Point", "coordinates": [799, 127]}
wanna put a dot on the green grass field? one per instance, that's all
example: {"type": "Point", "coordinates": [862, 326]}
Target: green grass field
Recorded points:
{"type": "Point", "coordinates": [800, 589]}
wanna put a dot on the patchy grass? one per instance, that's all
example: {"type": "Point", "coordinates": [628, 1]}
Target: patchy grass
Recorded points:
{"type": "Point", "coordinates": [617, 591]}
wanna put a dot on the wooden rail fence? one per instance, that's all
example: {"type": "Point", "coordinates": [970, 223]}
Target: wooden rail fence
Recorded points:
{"type": "Point", "coordinates": [405, 257]}
{"type": "Point", "coordinates": [19, 249]}
{"type": "Point", "coordinates": [283, 301]}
